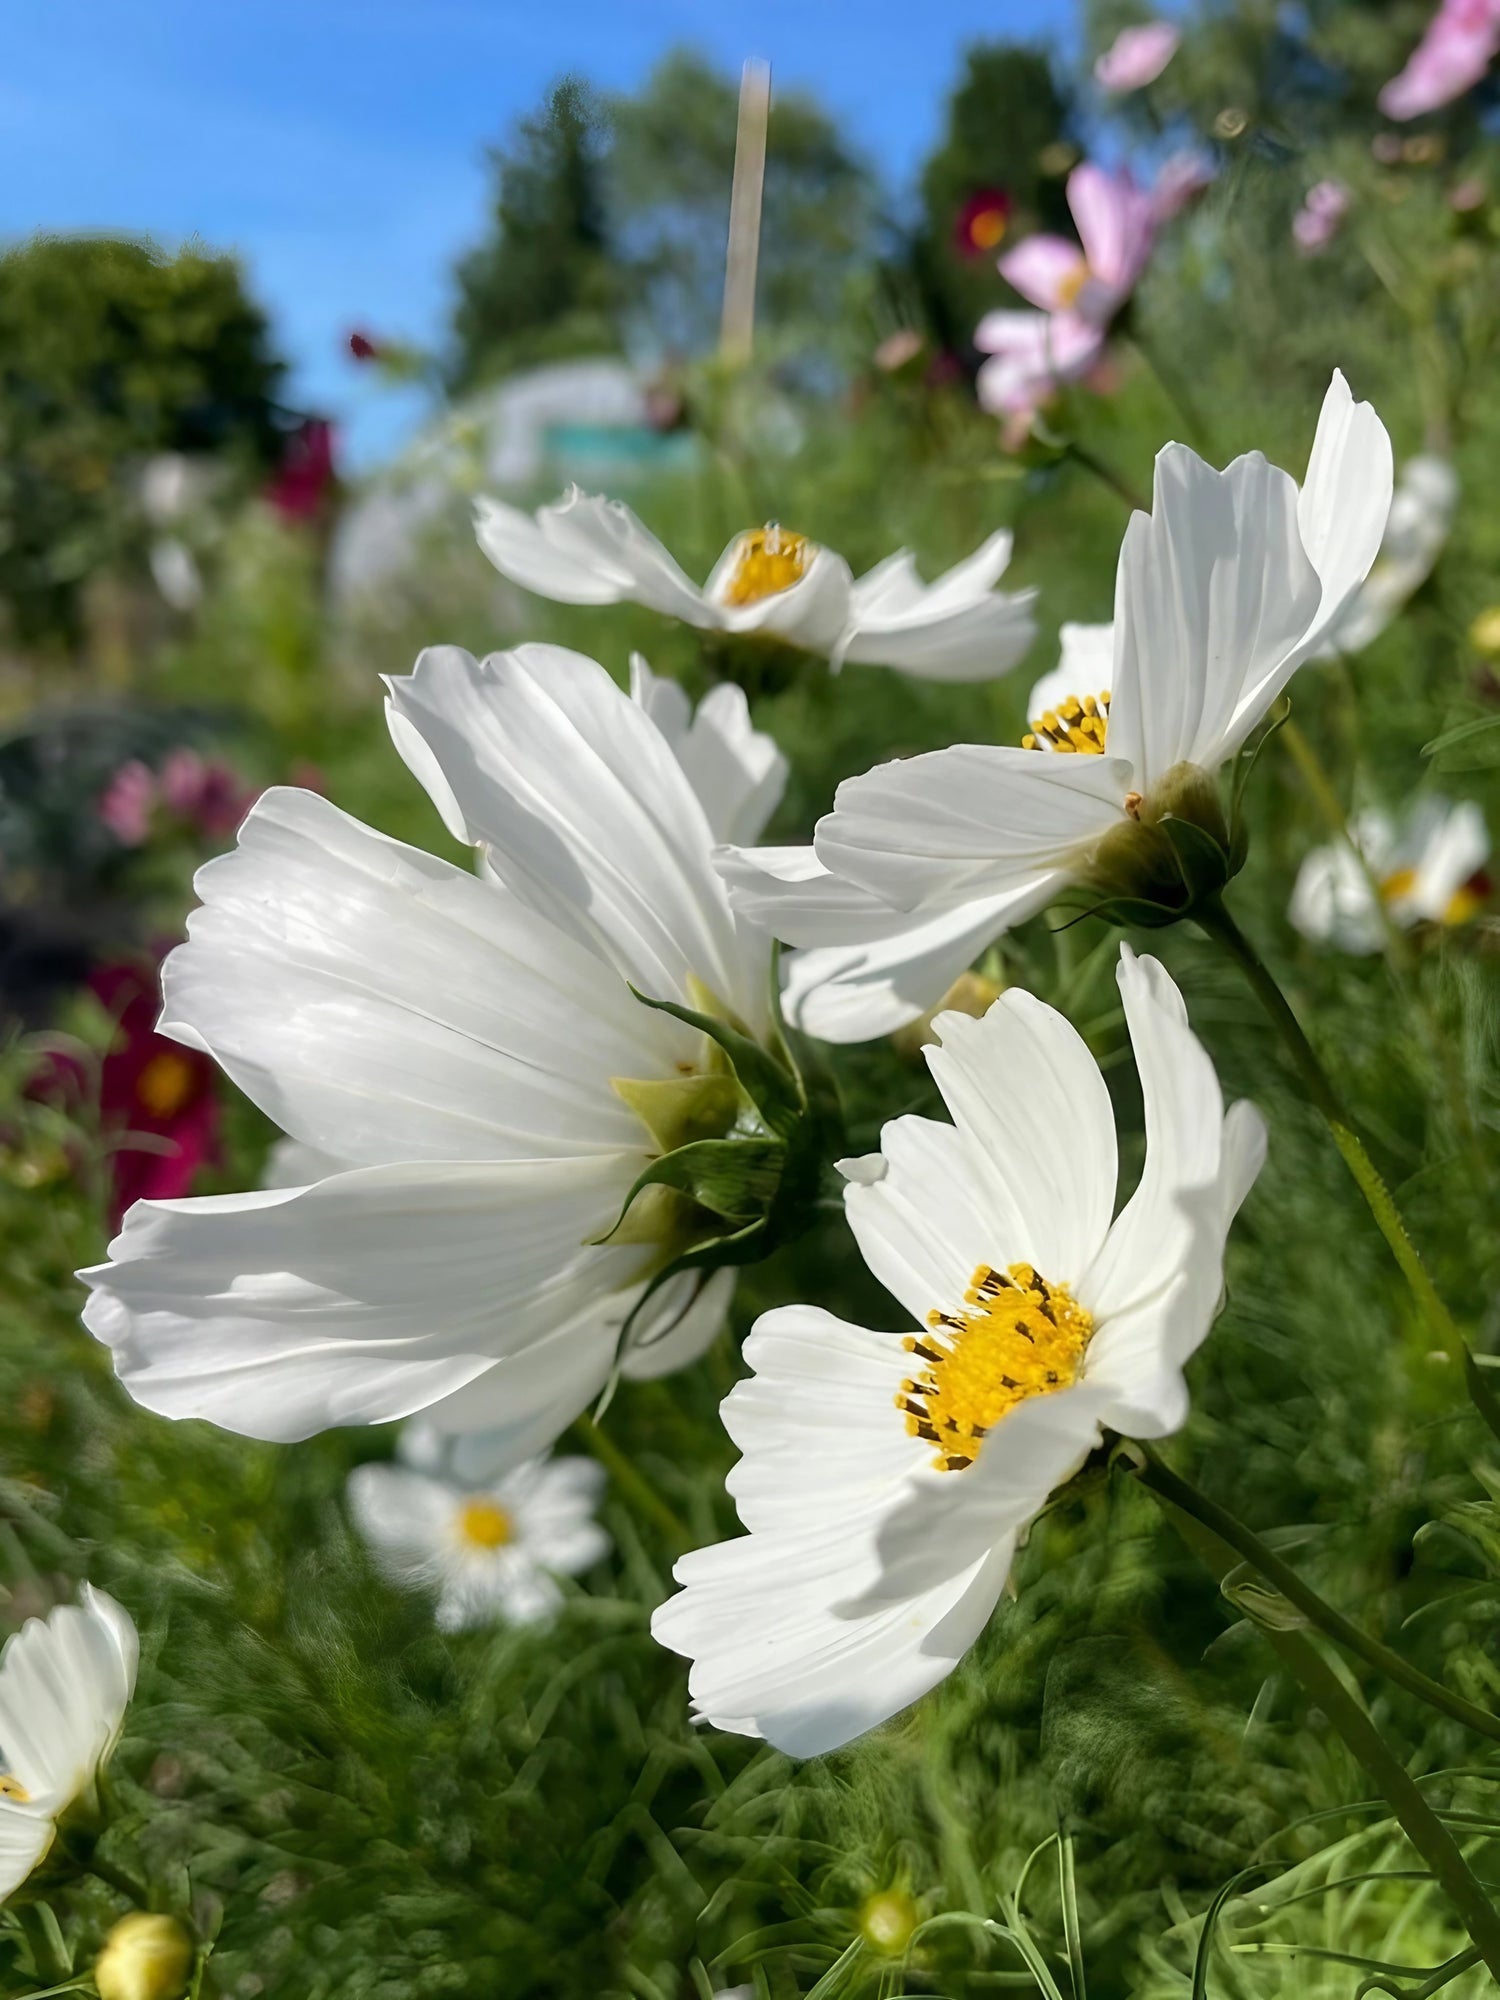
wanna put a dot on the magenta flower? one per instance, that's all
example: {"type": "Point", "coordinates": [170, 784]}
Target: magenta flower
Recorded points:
{"type": "Point", "coordinates": [1461, 42]}
{"type": "Point", "coordinates": [127, 803]}
{"type": "Point", "coordinates": [1136, 57]}
{"type": "Point", "coordinates": [205, 792]}
{"type": "Point", "coordinates": [306, 473]}
{"type": "Point", "coordinates": [1317, 222]}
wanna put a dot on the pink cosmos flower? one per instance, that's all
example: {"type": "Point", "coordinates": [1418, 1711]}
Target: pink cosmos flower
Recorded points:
{"type": "Point", "coordinates": [1317, 222]}
{"type": "Point", "coordinates": [306, 472]}
{"type": "Point", "coordinates": [1180, 179]}
{"type": "Point", "coordinates": [1137, 56]}
{"type": "Point", "coordinates": [127, 803]}
{"type": "Point", "coordinates": [206, 792]}
{"type": "Point", "coordinates": [1461, 42]}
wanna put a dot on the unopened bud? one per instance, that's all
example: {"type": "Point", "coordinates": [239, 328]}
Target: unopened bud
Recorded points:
{"type": "Point", "coordinates": [887, 1920]}
{"type": "Point", "coordinates": [145, 1957]}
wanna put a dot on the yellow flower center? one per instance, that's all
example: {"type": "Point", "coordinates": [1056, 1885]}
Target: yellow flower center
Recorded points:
{"type": "Point", "coordinates": [165, 1084]}
{"type": "Point", "coordinates": [987, 229]}
{"type": "Point", "coordinates": [1070, 286]}
{"type": "Point", "coordinates": [12, 1788]}
{"type": "Point", "coordinates": [482, 1524]}
{"type": "Point", "coordinates": [1017, 1337]}
{"type": "Point", "coordinates": [770, 560]}
{"type": "Point", "coordinates": [1463, 905]}
{"type": "Point", "coordinates": [1079, 722]}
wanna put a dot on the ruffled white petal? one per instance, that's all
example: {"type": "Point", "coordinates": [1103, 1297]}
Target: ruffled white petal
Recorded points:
{"type": "Point", "coordinates": [368, 1296]}
{"type": "Point", "coordinates": [586, 550]}
{"type": "Point", "coordinates": [24, 1840]}
{"type": "Point", "coordinates": [957, 628]}
{"type": "Point", "coordinates": [736, 771]}
{"type": "Point", "coordinates": [584, 812]}
{"type": "Point", "coordinates": [1421, 516]}
{"type": "Point", "coordinates": [381, 1005]}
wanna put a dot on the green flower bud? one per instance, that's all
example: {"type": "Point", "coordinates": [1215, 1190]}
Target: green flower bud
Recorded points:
{"type": "Point", "coordinates": [145, 1957]}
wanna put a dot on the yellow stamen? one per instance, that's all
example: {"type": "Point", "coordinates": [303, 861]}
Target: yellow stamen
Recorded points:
{"type": "Point", "coordinates": [1070, 286]}
{"type": "Point", "coordinates": [1078, 723]}
{"type": "Point", "coordinates": [1017, 1337]}
{"type": "Point", "coordinates": [12, 1788]}
{"type": "Point", "coordinates": [770, 560]}
{"type": "Point", "coordinates": [166, 1084]}
{"type": "Point", "coordinates": [1400, 882]}
{"type": "Point", "coordinates": [1463, 905]}
{"type": "Point", "coordinates": [484, 1525]}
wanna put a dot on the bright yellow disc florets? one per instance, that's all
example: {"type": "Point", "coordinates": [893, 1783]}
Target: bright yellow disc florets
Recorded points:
{"type": "Point", "coordinates": [770, 560]}
{"type": "Point", "coordinates": [1079, 722]}
{"type": "Point", "coordinates": [482, 1524]}
{"type": "Point", "coordinates": [1017, 1337]}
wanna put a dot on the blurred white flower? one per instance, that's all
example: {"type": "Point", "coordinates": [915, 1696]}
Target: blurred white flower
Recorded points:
{"type": "Point", "coordinates": [65, 1682]}
{"type": "Point", "coordinates": [1137, 56]}
{"type": "Point", "coordinates": [1230, 583]}
{"type": "Point", "coordinates": [457, 1517]}
{"type": "Point", "coordinates": [885, 1481]}
{"type": "Point", "coordinates": [1421, 869]}
{"type": "Point", "coordinates": [1421, 519]}
{"type": "Point", "coordinates": [468, 1081]}
{"type": "Point", "coordinates": [772, 583]}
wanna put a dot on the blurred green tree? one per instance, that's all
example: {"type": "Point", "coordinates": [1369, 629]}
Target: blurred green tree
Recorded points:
{"type": "Point", "coordinates": [111, 351]}
{"type": "Point", "coordinates": [543, 283]}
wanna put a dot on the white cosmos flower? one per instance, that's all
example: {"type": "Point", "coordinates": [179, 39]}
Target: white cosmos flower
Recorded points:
{"type": "Point", "coordinates": [885, 1480]}
{"type": "Point", "coordinates": [65, 1682]}
{"type": "Point", "coordinates": [447, 1046]}
{"type": "Point", "coordinates": [1231, 582]}
{"type": "Point", "coordinates": [1422, 869]}
{"type": "Point", "coordinates": [455, 1516]}
{"type": "Point", "coordinates": [774, 584]}
{"type": "Point", "coordinates": [1421, 518]}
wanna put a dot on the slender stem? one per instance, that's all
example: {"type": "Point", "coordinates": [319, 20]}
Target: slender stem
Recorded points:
{"type": "Point", "coordinates": [1387, 1773]}
{"type": "Point", "coordinates": [1156, 1475]}
{"type": "Point", "coordinates": [1170, 384]}
{"type": "Point", "coordinates": [1216, 923]}
{"type": "Point", "coordinates": [1106, 474]}
{"type": "Point", "coordinates": [642, 1495]}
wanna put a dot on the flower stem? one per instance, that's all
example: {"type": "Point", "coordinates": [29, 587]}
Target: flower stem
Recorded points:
{"type": "Point", "coordinates": [1216, 923]}
{"type": "Point", "coordinates": [641, 1494]}
{"type": "Point", "coordinates": [1158, 1477]}
{"type": "Point", "coordinates": [1106, 474]}
{"type": "Point", "coordinates": [1387, 1773]}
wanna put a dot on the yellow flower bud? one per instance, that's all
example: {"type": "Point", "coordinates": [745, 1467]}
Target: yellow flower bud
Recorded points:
{"type": "Point", "coordinates": [145, 1957]}
{"type": "Point", "coordinates": [1484, 633]}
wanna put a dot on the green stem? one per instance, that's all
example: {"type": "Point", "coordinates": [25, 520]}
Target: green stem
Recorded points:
{"type": "Point", "coordinates": [1158, 1477]}
{"type": "Point", "coordinates": [1106, 474]}
{"type": "Point", "coordinates": [1216, 923]}
{"type": "Point", "coordinates": [642, 1495]}
{"type": "Point", "coordinates": [1385, 1770]}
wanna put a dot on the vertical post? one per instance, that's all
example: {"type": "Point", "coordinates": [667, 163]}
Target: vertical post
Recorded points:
{"type": "Point", "coordinates": [737, 328]}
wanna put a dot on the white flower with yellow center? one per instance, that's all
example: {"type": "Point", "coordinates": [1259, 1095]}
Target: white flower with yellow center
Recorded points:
{"type": "Point", "coordinates": [469, 1083]}
{"type": "Point", "coordinates": [1423, 870]}
{"type": "Point", "coordinates": [65, 1682]}
{"type": "Point", "coordinates": [772, 583]}
{"type": "Point", "coordinates": [489, 1542]}
{"type": "Point", "coordinates": [1230, 584]}
{"type": "Point", "coordinates": [886, 1479]}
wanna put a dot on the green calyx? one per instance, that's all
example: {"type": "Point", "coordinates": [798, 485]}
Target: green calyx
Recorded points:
{"type": "Point", "coordinates": [1177, 849]}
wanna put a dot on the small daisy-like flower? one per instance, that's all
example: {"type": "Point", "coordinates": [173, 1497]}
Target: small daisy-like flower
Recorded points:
{"type": "Point", "coordinates": [65, 1682]}
{"type": "Point", "coordinates": [886, 1480]}
{"type": "Point", "coordinates": [490, 1543]}
{"type": "Point", "coordinates": [1424, 870]}
{"type": "Point", "coordinates": [772, 583]}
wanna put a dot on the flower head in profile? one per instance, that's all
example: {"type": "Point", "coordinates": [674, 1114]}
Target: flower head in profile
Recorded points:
{"type": "Point", "coordinates": [1232, 581]}
{"type": "Point", "coordinates": [455, 1517]}
{"type": "Point", "coordinates": [1423, 869]}
{"type": "Point", "coordinates": [1462, 40]}
{"type": "Point", "coordinates": [65, 1682]}
{"type": "Point", "coordinates": [772, 583]}
{"type": "Point", "coordinates": [886, 1479]}
{"type": "Point", "coordinates": [1137, 56]}
{"type": "Point", "coordinates": [513, 1093]}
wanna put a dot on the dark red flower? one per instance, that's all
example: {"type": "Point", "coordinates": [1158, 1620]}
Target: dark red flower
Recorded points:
{"type": "Point", "coordinates": [980, 225]}
{"type": "Point", "coordinates": [301, 484]}
{"type": "Point", "coordinates": [158, 1112]}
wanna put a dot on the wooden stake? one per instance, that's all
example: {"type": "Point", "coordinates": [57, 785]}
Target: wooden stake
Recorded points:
{"type": "Point", "coordinates": [737, 328]}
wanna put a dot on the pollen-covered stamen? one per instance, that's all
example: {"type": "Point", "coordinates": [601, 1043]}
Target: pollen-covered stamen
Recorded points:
{"type": "Point", "coordinates": [1017, 1336]}
{"type": "Point", "coordinates": [1079, 722]}
{"type": "Point", "coordinates": [771, 559]}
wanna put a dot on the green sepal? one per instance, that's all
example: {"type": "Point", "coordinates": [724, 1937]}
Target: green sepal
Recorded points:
{"type": "Point", "coordinates": [736, 1179]}
{"type": "Point", "coordinates": [773, 1089]}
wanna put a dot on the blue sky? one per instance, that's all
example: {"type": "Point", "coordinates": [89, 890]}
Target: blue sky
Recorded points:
{"type": "Point", "coordinates": [339, 147]}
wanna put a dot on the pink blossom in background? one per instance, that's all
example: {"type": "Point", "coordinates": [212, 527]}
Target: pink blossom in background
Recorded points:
{"type": "Point", "coordinates": [1461, 42]}
{"type": "Point", "coordinates": [1137, 56]}
{"type": "Point", "coordinates": [206, 792]}
{"type": "Point", "coordinates": [1318, 220]}
{"type": "Point", "coordinates": [306, 473]}
{"type": "Point", "coordinates": [1031, 355]}
{"type": "Point", "coordinates": [127, 803]}
{"type": "Point", "coordinates": [1180, 179]}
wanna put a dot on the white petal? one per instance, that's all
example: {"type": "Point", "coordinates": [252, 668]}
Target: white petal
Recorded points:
{"type": "Point", "coordinates": [1035, 1112]}
{"type": "Point", "coordinates": [290, 1164]}
{"type": "Point", "coordinates": [933, 1216]}
{"type": "Point", "coordinates": [1416, 531]}
{"type": "Point", "coordinates": [24, 1839]}
{"type": "Point", "coordinates": [1085, 665]}
{"type": "Point", "coordinates": [811, 613]}
{"type": "Point", "coordinates": [585, 813]}
{"type": "Point", "coordinates": [405, 1517]}
{"type": "Point", "coordinates": [368, 1296]}
{"type": "Point", "coordinates": [1214, 594]}
{"type": "Point", "coordinates": [679, 1324]}
{"type": "Point", "coordinates": [957, 628]}
{"type": "Point", "coordinates": [1333, 903]}
{"type": "Point", "coordinates": [1453, 844]}
{"type": "Point", "coordinates": [973, 821]}
{"type": "Point", "coordinates": [586, 550]}
{"type": "Point", "coordinates": [380, 1004]}
{"type": "Point", "coordinates": [736, 771]}
{"type": "Point", "coordinates": [64, 1685]}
